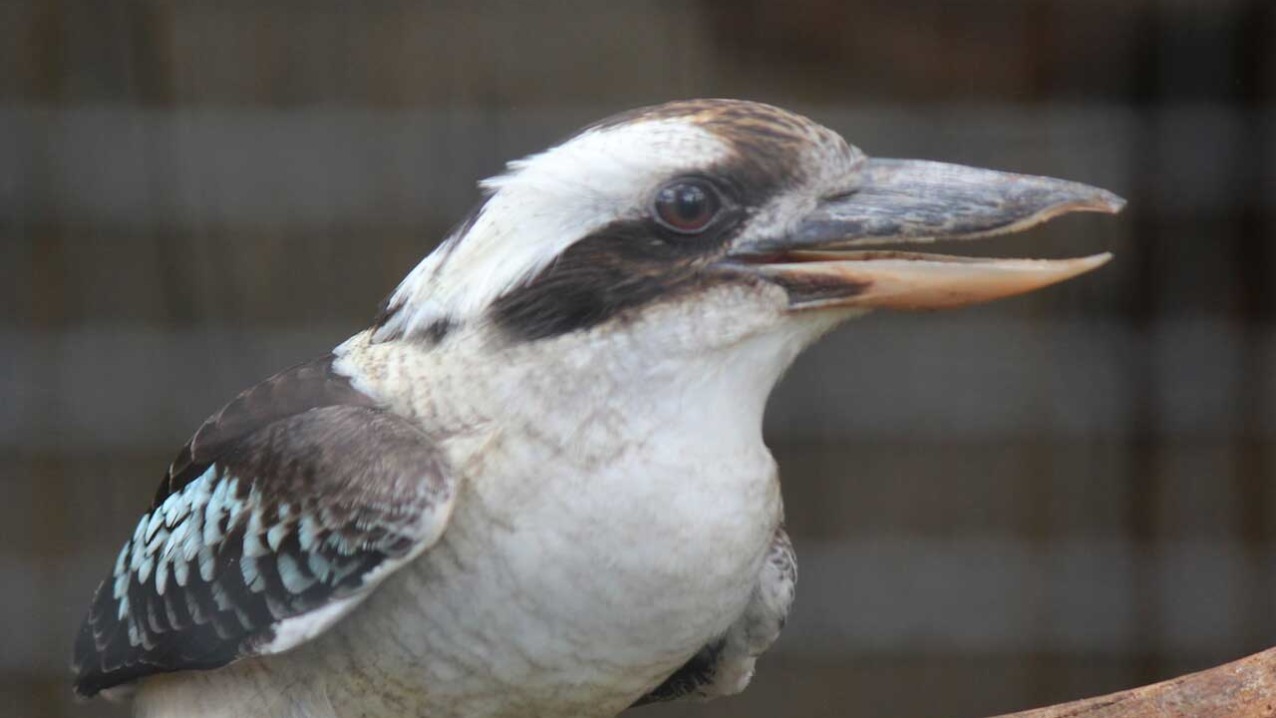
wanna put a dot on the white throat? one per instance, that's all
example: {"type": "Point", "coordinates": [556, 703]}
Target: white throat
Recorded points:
{"type": "Point", "coordinates": [694, 369]}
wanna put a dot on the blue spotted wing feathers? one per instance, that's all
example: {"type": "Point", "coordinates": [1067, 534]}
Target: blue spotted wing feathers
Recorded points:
{"type": "Point", "coordinates": [276, 519]}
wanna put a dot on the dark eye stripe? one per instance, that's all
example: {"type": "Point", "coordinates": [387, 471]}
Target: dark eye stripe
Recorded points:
{"type": "Point", "coordinates": [630, 263]}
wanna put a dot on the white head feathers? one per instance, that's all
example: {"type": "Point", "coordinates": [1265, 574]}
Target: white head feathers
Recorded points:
{"type": "Point", "coordinates": [538, 208]}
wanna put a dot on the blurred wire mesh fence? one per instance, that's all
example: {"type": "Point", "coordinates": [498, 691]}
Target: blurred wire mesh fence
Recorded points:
{"type": "Point", "coordinates": [1056, 496]}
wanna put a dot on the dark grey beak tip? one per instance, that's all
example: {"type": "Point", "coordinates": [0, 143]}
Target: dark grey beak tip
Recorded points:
{"type": "Point", "coordinates": [1045, 198]}
{"type": "Point", "coordinates": [1064, 197]}
{"type": "Point", "coordinates": [1108, 202]}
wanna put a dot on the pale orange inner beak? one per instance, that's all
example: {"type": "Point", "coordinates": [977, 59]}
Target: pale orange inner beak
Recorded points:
{"type": "Point", "coordinates": [913, 280]}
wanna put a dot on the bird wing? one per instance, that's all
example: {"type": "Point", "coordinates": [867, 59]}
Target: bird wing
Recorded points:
{"type": "Point", "coordinates": [724, 666]}
{"type": "Point", "coordinates": [279, 516]}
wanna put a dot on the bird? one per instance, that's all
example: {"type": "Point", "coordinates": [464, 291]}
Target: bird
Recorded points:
{"type": "Point", "coordinates": [536, 484]}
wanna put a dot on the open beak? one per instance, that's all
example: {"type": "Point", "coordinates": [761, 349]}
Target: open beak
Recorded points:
{"type": "Point", "coordinates": [834, 257]}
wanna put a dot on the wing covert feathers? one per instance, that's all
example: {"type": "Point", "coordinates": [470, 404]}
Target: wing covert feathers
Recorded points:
{"type": "Point", "coordinates": [275, 520]}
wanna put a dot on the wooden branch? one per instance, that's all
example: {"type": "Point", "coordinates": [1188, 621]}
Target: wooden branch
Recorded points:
{"type": "Point", "coordinates": [1241, 689]}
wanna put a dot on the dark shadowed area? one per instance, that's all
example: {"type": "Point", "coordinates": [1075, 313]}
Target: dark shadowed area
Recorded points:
{"type": "Point", "coordinates": [1047, 498]}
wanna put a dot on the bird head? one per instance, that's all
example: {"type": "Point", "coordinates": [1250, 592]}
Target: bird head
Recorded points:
{"type": "Point", "coordinates": [717, 220]}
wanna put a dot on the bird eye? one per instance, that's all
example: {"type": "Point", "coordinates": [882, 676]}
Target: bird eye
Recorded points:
{"type": "Point", "coordinates": [687, 206]}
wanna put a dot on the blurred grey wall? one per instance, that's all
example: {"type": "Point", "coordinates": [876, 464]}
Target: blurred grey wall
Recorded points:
{"type": "Point", "coordinates": [1051, 497]}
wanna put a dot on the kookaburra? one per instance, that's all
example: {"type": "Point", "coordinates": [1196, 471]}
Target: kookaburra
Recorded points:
{"type": "Point", "coordinates": [536, 485]}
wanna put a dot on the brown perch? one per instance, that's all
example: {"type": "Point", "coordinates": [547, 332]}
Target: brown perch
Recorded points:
{"type": "Point", "coordinates": [1241, 689]}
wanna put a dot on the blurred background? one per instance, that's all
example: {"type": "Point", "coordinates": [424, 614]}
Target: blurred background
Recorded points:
{"type": "Point", "coordinates": [1038, 500]}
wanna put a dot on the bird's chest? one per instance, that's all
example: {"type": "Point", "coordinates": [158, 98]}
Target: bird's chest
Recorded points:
{"type": "Point", "coordinates": [585, 575]}
{"type": "Point", "coordinates": [614, 510]}
{"type": "Point", "coordinates": [663, 529]}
